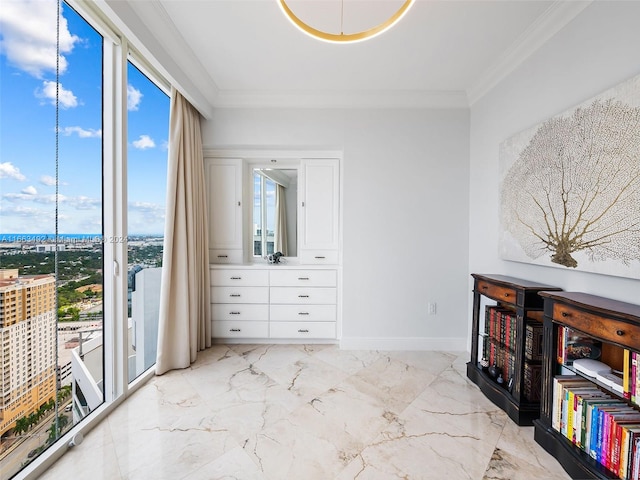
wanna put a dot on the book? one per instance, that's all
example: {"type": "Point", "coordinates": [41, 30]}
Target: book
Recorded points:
{"type": "Point", "coordinates": [532, 381]}
{"type": "Point", "coordinates": [632, 433]}
{"type": "Point", "coordinates": [590, 425]}
{"type": "Point", "coordinates": [533, 341]}
{"type": "Point", "coordinates": [560, 382]}
{"type": "Point", "coordinates": [634, 376]}
{"type": "Point", "coordinates": [626, 374]}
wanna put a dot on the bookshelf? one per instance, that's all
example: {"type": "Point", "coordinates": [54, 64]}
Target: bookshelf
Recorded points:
{"type": "Point", "coordinates": [605, 419]}
{"type": "Point", "coordinates": [505, 311]}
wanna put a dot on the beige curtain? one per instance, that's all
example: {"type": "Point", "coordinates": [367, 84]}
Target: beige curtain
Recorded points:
{"type": "Point", "coordinates": [184, 324]}
{"type": "Point", "coordinates": [280, 240]}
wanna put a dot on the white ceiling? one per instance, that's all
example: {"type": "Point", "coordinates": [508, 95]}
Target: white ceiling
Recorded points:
{"type": "Point", "coordinates": [443, 53]}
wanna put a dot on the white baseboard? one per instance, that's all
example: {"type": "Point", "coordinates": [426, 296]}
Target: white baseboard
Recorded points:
{"type": "Point", "coordinates": [404, 343]}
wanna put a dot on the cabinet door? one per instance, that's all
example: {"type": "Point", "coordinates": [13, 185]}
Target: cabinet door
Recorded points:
{"type": "Point", "coordinates": [224, 190]}
{"type": "Point", "coordinates": [319, 207]}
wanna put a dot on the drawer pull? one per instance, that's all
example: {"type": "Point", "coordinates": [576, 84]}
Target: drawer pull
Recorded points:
{"type": "Point", "coordinates": [620, 332]}
{"type": "Point", "coordinates": [235, 295]}
{"type": "Point", "coordinates": [485, 287]}
{"type": "Point", "coordinates": [319, 257]}
{"type": "Point", "coordinates": [566, 314]}
{"type": "Point", "coordinates": [235, 330]}
{"type": "Point", "coordinates": [234, 313]}
{"type": "Point", "coordinates": [223, 256]}
{"type": "Point", "coordinates": [303, 278]}
{"type": "Point", "coordinates": [303, 313]}
{"type": "Point", "coordinates": [303, 330]}
{"type": "Point", "coordinates": [303, 296]}
{"type": "Point", "coordinates": [506, 295]}
{"type": "Point", "coordinates": [236, 278]}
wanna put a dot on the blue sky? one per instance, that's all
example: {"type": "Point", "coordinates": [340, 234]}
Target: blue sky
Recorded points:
{"type": "Point", "coordinates": [27, 127]}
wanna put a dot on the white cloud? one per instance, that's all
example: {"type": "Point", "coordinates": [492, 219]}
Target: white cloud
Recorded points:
{"type": "Point", "coordinates": [47, 180]}
{"type": "Point", "coordinates": [21, 211]}
{"type": "Point", "coordinates": [9, 170]}
{"type": "Point", "coordinates": [30, 190]}
{"type": "Point", "coordinates": [81, 132]}
{"type": "Point", "coordinates": [29, 36]}
{"type": "Point", "coordinates": [45, 199]}
{"type": "Point", "coordinates": [134, 97]}
{"type": "Point", "coordinates": [144, 142]}
{"type": "Point", "coordinates": [48, 92]}
{"type": "Point", "coordinates": [85, 203]}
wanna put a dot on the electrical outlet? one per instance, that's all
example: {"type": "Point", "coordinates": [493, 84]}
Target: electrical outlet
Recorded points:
{"type": "Point", "coordinates": [431, 308]}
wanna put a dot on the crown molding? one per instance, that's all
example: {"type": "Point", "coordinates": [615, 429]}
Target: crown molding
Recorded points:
{"type": "Point", "coordinates": [169, 51]}
{"type": "Point", "coordinates": [556, 17]}
{"type": "Point", "coordinates": [342, 99]}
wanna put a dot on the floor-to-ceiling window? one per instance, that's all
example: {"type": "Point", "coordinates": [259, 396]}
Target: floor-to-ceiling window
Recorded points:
{"type": "Point", "coordinates": [66, 332]}
{"type": "Point", "coordinates": [148, 128]}
{"type": "Point", "coordinates": [51, 137]}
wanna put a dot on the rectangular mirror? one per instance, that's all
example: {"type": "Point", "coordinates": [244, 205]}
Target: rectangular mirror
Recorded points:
{"type": "Point", "coordinates": [274, 213]}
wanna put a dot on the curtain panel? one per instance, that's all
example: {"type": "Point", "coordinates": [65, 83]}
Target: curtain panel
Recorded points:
{"type": "Point", "coordinates": [184, 324]}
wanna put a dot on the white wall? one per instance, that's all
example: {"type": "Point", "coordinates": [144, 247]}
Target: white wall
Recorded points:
{"type": "Point", "coordinates": [405, 213]}
{"type": "Point", "coordinates": [596, 51]}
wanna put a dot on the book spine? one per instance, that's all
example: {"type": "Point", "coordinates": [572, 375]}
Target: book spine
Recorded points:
{"type": "Point", "coordinates": [626, 374]}
{"type": "Point", "coordinates": [624, 452]}
{"type": "Point", "coordinates": [561, 349]}
{"type": "Point", "coordinates": [634, 376]}
{"type": "Point", "coordinates": [595, 427]}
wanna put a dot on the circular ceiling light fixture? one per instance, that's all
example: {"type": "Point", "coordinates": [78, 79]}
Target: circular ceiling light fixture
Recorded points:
{"type": "Point", "coordinates": [345, 37]}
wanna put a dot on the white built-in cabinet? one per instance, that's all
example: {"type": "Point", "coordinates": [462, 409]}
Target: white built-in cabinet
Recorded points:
{"type": "Point", "coordinates": [319, 210]}
{"type": "Point", "coordinates": [225, 207]}
{"type": "Point", "coordinates": [274, 302]}
{"type": "Point", "coordinates": [253, 300]}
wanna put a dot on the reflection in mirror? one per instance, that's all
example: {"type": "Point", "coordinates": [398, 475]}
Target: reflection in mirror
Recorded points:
{"type": "Point", "coordinates": [274, 211]}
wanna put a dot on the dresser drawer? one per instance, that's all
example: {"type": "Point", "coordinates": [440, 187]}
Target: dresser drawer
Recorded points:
{"type": "Point", "coordinates": [304, 296]}
{"type": "Point", "coordinates": [239, 295]}
{"type": "Point", "coordinates": [497, 292]}
{"type": "Point", "coordinates": [302, 330]}
{"type": "Point", "coordinates": [242, 278]}
{"type": "Point", "coordinates": [319, 257]}
{"type": "Point", "coordinates": [225, 256]}
{"type": "Point", "coordinates": [241, 311]}
{"type": "Point", "coordinates": [234, 329]}
{"type": "Point", "coordinates": [303, 278]}
{"type": "Point", "coordinates": [603, 327]}
{"type": "Point", "coordinates": [306, 313]}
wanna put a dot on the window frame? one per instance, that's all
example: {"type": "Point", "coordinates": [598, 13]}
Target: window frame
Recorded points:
{"type": "Point", "coordinates": [117, 51]}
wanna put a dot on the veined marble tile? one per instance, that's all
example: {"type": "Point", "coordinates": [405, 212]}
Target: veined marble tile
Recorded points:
{"type": "Point", "coordinates": [432, 362]}
{"type": "Point", "coordinates": [349, 361]}
{"type": "Point", "coordinates": [171, 452]}
{"type": "Point", "coordinates": [298, 372]}
{"type": "Point", "coordinates": [94, 458]}
{"type": "Point", "coordinates": [252, 404]}
{"type": "Point", "coordinates": [289, 449]}
{"type": "Point", "coordinates": [221, 377]}
{"type": "Point", "coordinates": [518, 456]}
{"type": "Point", "coordinates": [398, 382]}
{"type": "Point", "coordinates": [235, 464]}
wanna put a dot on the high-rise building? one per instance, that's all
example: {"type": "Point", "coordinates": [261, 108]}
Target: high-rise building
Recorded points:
{"type": "Point", "coordinates": [27, 344]}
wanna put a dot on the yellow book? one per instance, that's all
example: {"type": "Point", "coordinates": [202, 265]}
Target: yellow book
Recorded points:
{"type": "Point", "coordinates": [570, 399]}
{"type": "Point", "coordinates": [626, 374]}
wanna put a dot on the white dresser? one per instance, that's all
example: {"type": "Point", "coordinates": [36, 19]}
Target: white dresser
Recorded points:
{"type": "Point", "coordinates": [274, 302]}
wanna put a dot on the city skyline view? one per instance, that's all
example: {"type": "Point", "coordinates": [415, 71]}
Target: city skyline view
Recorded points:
{"type": "Point", "coordinates": [27, 88]}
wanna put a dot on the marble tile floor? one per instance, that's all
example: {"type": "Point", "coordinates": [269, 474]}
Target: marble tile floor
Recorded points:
{"type": "Point", "coordinates": [307, 412]}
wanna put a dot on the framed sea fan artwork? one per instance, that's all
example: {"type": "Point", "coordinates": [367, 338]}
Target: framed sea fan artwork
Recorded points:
{"type": "Point", "coordinates": [570, 187]}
